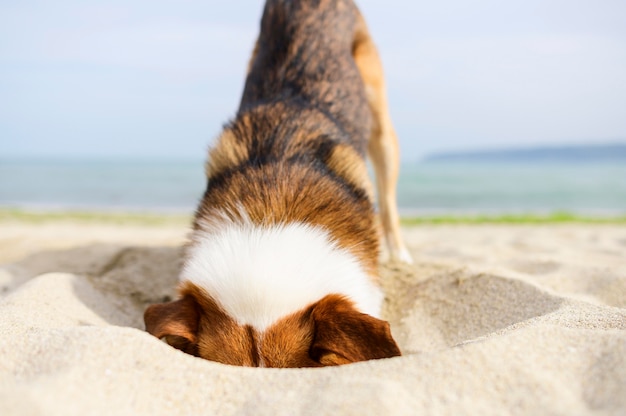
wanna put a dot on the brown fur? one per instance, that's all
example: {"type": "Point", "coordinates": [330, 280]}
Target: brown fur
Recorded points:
{"type": "Point", "coordinates": [328, 332]}
{"type": "Point", "coordinates": [313, 106]}
{"type": "Point", "coordinates": [280, 193]}
{"type": "Point", "coordinates": [176, 321]}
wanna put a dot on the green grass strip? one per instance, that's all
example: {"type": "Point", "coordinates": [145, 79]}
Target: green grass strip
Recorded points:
{"type": "Point", "coordinates": [138, 218]}
{"type": "Point", "coordinates": [558, 217]}
{"type": "Point", "coordinates": [123, 218]}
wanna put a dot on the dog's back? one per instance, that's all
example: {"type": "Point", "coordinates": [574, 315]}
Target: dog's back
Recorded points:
{"type": "Point", "coordinates": [303, 62]}
{"type": "Point", "coordinates": [304, 57]}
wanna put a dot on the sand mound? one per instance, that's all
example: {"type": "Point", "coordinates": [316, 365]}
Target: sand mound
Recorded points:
{"type": "Point", "coordinates": [491, 320]}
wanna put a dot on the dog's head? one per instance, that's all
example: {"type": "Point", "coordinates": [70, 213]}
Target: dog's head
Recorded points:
{"type": "Point", "coordinates": [331, 331]}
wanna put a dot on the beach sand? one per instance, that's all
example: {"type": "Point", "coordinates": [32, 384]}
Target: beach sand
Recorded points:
{"type": "Point", "coordinates": [492, 320]}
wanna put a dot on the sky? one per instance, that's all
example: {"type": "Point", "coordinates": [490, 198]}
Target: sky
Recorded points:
{"type": "Point", "coordinates": [157, 79]}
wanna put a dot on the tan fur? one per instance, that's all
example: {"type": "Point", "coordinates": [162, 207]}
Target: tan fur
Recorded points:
{"type": "Point", "coordinates": [383, 146]}
{"type": "Point", "coordinates": [228, 152]}
{"type": "Point", "coordinates": [347, 163]}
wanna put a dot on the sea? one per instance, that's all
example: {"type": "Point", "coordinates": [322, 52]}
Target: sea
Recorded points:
{"type": "Point", "coordinates": [424, 188]}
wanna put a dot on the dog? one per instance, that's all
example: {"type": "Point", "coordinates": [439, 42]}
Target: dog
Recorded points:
{"type": "Point", "coordinates": [281, 267]}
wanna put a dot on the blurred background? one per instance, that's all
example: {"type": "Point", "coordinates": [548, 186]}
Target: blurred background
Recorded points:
{"type": "Point", "coordinates": [500, 107]}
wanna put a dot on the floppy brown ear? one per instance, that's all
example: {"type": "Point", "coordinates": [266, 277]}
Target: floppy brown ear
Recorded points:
{"type": "Point", "coordinates": [344, 335]}
{"type": "Point", "coordinates": [176, 321]}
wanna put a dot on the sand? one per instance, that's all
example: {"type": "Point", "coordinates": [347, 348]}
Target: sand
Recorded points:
{"type": "Point", "coordinates": [491, 320]}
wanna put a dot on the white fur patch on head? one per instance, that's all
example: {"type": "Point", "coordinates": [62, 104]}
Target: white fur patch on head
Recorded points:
{"type": "Point", "coordinates": [259, 274]}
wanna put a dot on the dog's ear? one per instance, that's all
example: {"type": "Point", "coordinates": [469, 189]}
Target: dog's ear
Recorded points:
{"type": "Point", "coordinates": [344, 335]}
{"type": "Point", "coordinates": [176, 321]}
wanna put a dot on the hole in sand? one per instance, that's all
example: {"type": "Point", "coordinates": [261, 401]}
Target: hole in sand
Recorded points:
{"type": "Point", "coordinates": [431, 308]}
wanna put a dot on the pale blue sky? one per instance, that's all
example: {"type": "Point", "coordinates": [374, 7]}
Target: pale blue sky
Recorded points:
{"type": "Point", "coordinates": [158, 79]}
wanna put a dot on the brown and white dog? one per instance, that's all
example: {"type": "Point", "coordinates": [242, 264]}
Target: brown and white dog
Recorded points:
{"type": "Point", "coordinates": [281, 268]}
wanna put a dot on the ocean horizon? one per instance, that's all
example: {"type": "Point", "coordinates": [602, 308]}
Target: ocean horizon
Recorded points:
{"type": "Point", "coordinates": [424, 188]}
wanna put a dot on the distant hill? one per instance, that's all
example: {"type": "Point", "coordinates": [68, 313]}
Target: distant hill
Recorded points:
{"type": "Point", "coordinates": [589, 153]}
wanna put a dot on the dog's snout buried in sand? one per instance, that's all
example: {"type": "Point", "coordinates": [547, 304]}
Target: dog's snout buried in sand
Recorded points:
{"type": "Point", "coordinates": [282, 265]}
